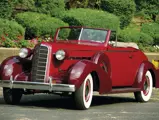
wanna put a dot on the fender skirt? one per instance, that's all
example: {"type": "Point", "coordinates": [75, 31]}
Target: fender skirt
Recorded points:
{"type": "Point", "coordinates": [81, 69]}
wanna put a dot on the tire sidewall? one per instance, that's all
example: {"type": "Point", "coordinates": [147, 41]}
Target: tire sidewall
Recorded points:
{"type": "Point", "coordinates": [88, 103]}
{"type": "Point", "coordinates": [148, 96]}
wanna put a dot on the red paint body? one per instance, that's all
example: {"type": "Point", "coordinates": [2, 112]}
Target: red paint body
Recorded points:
{"type": "Point", "coordinates": [125, 66]}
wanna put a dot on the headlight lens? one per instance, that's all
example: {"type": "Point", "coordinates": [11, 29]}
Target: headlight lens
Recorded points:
{"type": "Point", "coordinates": [23, 52]}
{"type": "Point", "coordinates": [60, 54]}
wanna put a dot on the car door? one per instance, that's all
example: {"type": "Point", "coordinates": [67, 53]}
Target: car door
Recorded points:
{"type": "Point", "coordinates": [121, 63]}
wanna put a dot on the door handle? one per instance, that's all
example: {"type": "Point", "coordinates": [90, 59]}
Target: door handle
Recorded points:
{"type": "Point", "coordinates": [130, 56]}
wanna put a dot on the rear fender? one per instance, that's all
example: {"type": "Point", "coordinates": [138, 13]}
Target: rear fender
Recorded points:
{"type": "Point", "coordinates": [81, 69]}
{"type": "Point", "coordinates": [140, 75]}
{"type": "Point", "coordinates": [17, 68]}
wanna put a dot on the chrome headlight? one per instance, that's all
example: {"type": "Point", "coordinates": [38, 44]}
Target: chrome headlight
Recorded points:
{"type": "Point", "coordinates": [60, 54]}
{"type": "Point", "coordinates": [23, 52]}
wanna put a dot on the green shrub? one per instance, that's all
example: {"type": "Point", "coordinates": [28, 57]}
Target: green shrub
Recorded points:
{"type": "Point", "coordinates": [51, 7]}
{"type": "Point", "coordinates": [145, 39]}
{"type": "Point", "coordinates": [132, 35]}
{"type": "Point", "coordinates": [151, 29]}
{"type": "Point", "coordinates": [123, 8]}
{"type": "Point", "coordinates": [39, 25]}
{"type": "Point", "coordinates": [15, 43]}
{"type": "Point", "coordinates": [91, 18]}
{"type": "Point", "coordinates": [5, 9]}
{"type": "Point", "coordinates": [11, 29]}
{"type": "Point", "coordinates": [148, 48]}
{"type": "Point", "coordinates": [156, 39]}
{"type": "Point", "coordinates": [7, 43]}
{"type": "Point", "coordinates": [22, 43]}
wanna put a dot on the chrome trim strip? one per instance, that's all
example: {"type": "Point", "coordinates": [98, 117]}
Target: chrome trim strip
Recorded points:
{"type": "Point", "coordinates": [37, 86]}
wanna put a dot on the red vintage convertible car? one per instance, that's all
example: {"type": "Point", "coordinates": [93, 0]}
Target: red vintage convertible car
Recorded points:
{"type": "Point", "coordinates": [78, 61]}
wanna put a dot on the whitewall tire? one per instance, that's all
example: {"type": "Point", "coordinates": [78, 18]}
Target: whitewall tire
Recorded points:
{"type": "Point", "coordinates": [145, 95]}
{"type": "Point", "coordinates": [83, 96]}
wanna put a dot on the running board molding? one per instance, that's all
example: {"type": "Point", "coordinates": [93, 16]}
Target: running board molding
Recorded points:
{"type": "Point", "coordinates": [124, 90]}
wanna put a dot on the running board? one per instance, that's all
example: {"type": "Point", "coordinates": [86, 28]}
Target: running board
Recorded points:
{"type": "Point", "coordinates": [124, 90]}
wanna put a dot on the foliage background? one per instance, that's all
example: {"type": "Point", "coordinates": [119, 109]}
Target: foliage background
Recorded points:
{"type": "Point", "coordinates": [135, 20]}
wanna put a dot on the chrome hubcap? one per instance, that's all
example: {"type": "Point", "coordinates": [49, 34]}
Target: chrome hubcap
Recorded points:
{"type": "Point", "coordinates": [146, 86]}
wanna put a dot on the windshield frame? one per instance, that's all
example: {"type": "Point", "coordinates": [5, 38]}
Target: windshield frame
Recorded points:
{"type": "Point", "coordinates": [78, 40]}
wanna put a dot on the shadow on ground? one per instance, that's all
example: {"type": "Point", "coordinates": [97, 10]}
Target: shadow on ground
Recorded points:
{"type": "Point", "coordinates": [54, 101]}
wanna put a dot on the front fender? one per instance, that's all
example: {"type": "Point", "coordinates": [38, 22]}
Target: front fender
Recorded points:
{"type": "Point", "coordinates": [17, 67]}
{"type": "Point", "coordinates": [81, 69]}
{"type": "Point", "coordinates": [140, 75]}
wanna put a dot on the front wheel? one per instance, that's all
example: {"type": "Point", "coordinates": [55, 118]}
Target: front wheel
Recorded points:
{"type": "Point", "coordinates": [12, 96]}
{"type": "Point", "coordinates": [83, 96]}
{"type": "Point", "coordinates": [145, 95]}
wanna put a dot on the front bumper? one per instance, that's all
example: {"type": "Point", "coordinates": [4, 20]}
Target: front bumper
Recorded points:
{"type": "Point", "coordinates": [37, 86]}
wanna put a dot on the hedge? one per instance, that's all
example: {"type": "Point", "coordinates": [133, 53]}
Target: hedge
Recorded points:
{"type": "Point", "coordinates": [91, 18]}
{"type": "Point", "coordinates": [151, 29]}
{"type": "Point", "coordinates": [38, 25]}
{"type": "Point", "coordinates": [51, 7]}
{"type": "Point", "coordinates": [123, 8]}
{"type": "Point", "coordinates": [132, 35]}
{"type": "Point", "coordinates": [11, 30]}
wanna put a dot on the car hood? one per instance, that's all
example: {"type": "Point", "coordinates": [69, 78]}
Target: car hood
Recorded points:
{"type": "Point", "coordinates": [73, 47]}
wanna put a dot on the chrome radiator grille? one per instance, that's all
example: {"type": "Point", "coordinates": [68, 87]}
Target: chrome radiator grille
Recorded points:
{"type": "Point", "coordinates": [39, 64]}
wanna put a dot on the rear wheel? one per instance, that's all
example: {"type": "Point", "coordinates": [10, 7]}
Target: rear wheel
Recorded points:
{"type": "Point", "coordinates": [145, 95]}
{"type": "Point", "coordinates": [12, 96]}
{"type": "Point", "coordinates": [83, 96]}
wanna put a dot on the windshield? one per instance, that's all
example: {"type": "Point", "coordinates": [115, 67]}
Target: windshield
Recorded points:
{"type": "Point", "coordinates": [82, 34]}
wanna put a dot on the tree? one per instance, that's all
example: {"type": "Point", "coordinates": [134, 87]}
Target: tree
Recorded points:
{"type": "Point", "coordinates": [5, 9]}
{"type": "Point", "coordinates": [51, 7]}
{"type": "Point", "coordinates": [123, 8]}
{"type": "Point", "coordinates": [24, 5]}
{"type": "Point", "coordinates": [83, 4]}
{"type": "Point", "coordinates": [150, 7]}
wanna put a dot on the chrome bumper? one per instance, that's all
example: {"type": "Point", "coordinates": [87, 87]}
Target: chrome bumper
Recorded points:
{"type": "Point", "coordinates": [37, 86]}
